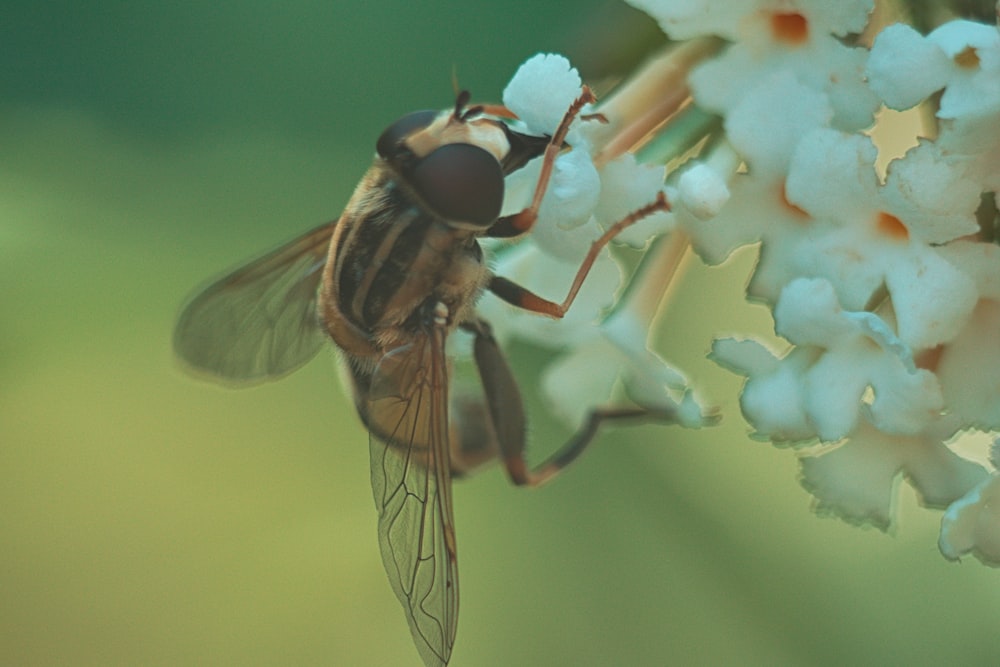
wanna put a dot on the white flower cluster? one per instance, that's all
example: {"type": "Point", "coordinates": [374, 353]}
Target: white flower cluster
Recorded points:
{"type": "Point", "coordinates": [582, 200]}
{"type": "Point", "coordinates": [886, 287]}
{"type": "Point", "coordinates": [888, 290]}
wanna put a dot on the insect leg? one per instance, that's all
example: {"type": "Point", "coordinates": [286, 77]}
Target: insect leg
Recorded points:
{"type": "Point", "coordinates": [504, 406]}
{"type": "Point", "coordinates": [521, 222]}
{"type": "Point", "coordinates": [473, 441]}
{"type": "Point", "coordinates": [572, 448]}
{"type": "Point", "coordinates": [506, 411]}
{"type": "Point", "coordinates": [522, 297]}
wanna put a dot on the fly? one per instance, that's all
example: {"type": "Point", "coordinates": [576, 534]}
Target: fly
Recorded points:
{"type": "Point", "coordinates": [388, 282]}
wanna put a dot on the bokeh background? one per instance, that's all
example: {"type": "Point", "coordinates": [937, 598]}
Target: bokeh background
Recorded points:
{"type": "Point", "coordinates": [149, 518]}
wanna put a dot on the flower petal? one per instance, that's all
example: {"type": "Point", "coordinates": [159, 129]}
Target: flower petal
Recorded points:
{"type": "Point", "coordinates": [972, 524]}
{"type": "Point", "coordinates": [542, 90]}
{"type": "Point", "coordinates": [904, 67]}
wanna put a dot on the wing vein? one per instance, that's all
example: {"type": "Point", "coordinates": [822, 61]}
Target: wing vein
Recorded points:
{"type": "Point", "coordinates": [407, 413]}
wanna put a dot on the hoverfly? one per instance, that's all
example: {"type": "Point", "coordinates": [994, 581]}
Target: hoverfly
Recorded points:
{"type": "Point", "coordinates": [388, 282]}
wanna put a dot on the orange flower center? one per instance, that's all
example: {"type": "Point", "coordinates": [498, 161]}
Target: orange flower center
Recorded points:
{"type": "Point", "coordinates": [891, 226]}
{"type": "Point", "coordinates": [929, 359]}
{"type": "Point", "coordinates": [791, 206]}
{"type": "Point", "coordinates": [967, 58]}
{"type": "Point", "coordinates": [790, 28]}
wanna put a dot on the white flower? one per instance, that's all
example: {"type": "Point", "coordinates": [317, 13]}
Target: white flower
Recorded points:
{"type": "Point", "coordinates": [625, 186]}
{"type": "Point", "coordinates": [969, 365]}
{"type": "Point", "coordinates": [796, 37]}
{"type": "Point", "coordinates": [581, 195]}
{"type": "Point", "coordinates": [615, 355]}
{"type": "Point", "coordinates": [572, 194]}
{"type": "Point", "coordinates": [682, 19]}
{"type": "Point", "coordinates": [905, 67]}
{"type": "Point", "coordinates": [541, 91]}
{"type": "Point", "coordinates": [702, 191]}
{"type": "Point", "coordinates": [865, 235]}
{"type": "Point", "coordinates": [888, 290]}
{"type": "Point", "coordinates": [773, 396]}
{"type": "Point", "coordinates": [820, 388]}
{"type": "Point", "coordinates": [588, 374]}
{"type": "Point", "coordinates": [856, 479]}
{"type": "Point", "coordinates": [765, 136]}
{"type": "Point", "coordinates": [972, 523]}
{"type": "Point", "coordinates": [580, 203]}
{"type": "Point", "coordinates": [578, 194]}
{"type": "Point", "coordinates": [962, 57]}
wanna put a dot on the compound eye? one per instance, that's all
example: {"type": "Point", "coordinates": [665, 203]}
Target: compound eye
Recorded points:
{"type": "Point", "coordinates": [393, 135]}
{"type": "Point", "coordinates": [461, 182]}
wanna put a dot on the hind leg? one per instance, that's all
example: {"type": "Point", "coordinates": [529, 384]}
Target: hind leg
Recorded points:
{"type": "Point", "coordinates": [505, 411]}
{"type": "Point", "coordinates": [473, 438]}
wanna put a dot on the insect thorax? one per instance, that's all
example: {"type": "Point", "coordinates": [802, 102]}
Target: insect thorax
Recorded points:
{"type": "Point", "coordinates": [391, 262]}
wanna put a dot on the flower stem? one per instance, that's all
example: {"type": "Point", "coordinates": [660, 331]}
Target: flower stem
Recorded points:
{"type": "Point", "coordinates": [689, 126]}
{"type": "Point", "coordinates": [653, 281]}
{"type": "Point", "coordinates": [645, 102]}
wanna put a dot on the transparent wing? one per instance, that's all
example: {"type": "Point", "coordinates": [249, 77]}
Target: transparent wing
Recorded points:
{"type": "Point", "coordinates": [408, 421]}
{"type": "Point", "coordinates": [260, 321]}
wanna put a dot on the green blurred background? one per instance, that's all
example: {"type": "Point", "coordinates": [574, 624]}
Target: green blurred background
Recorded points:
{"type": "Point", "coordinates": [148, 518]}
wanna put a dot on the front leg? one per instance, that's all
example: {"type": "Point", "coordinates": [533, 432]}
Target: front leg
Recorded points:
{"type": "Point", "coordinates": [522, 297]}
{"type": "Point", "coordinates": [514, 225]}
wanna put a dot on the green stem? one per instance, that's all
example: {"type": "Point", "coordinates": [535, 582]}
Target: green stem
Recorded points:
{"type": "Point", "coordinates": [652, 281]}
{"type": "Point", "coordinates": [689, 126]}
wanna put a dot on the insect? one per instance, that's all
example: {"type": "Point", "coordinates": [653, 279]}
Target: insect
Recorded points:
{"type": "Point", "coordinates": [388, 282]}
